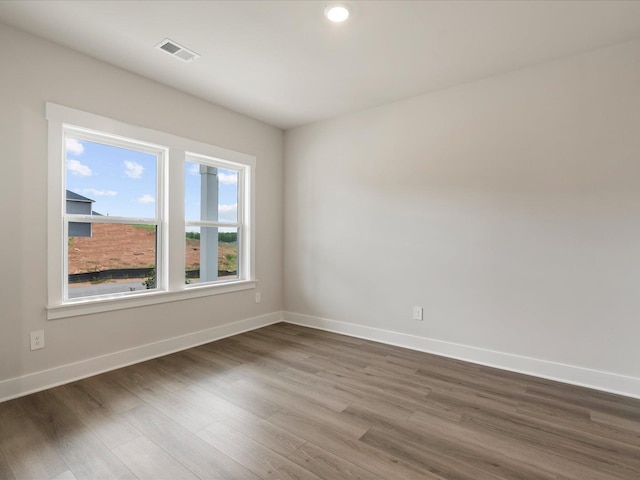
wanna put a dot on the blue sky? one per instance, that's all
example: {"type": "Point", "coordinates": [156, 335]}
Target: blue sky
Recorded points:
{"type": "Point", "coordinates": [123, 182]}
{"type": "Point", "coordinates": [227, 193]}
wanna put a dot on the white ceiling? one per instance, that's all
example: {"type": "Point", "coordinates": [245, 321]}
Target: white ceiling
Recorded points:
{"type": "Point", "coordinates": [282, 62]}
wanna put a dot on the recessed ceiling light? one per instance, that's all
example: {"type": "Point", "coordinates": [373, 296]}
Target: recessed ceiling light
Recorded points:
{"type": "Point", "coordinates": [337, 13]}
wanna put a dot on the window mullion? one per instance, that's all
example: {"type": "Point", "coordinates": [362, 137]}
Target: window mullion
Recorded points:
{"type": "Point", "coordinates": [162, 237]}
{"type": "Point", "coordinates": [110, 219]}
{"type": "Point", "coordinates": [176, 230]}
{"type": "Point", "coordinates": [204, 223]}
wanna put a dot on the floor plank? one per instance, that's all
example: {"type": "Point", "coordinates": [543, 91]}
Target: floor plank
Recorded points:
{"type": "Point", "coordinates": [5, 469]}
{"type": "Point", "coordinates": [254, 456]}
{"type": "Point", "coordinates": [106, 424]}
{"type": "Point", "coordinates": [367, 457]}
{"type": "Point", "coordinates": [146, 460]}
{"type": "Point", "coordinates": [156, 393]}
{"type": "Point", "coordinates": [192, 452]}
{"type": "Point", "coordinates": [526, 455]}
{"type": "Point", "coordinates": [327, 465]}
{"type": "Point", "coordinates": [82, 451]}
{"type": "Point", "coordinates": [349, 426]}
{"type": "Point", "coordinates": [108, 393]}
{"type": "Point", "coordinates": [27, 450]}
{"type": "Point", "coordinates": [68, 475]}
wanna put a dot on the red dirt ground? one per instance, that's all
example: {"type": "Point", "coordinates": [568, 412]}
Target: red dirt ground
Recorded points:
{"type": "Point", "coordinates": [116, 246]}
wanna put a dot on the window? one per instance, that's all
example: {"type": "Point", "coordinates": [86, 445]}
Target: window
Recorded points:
{"type": "Point", "coordinates": [113, 216]}
{"type": "Point", "coordinates": [138, 216]}
{"type": "Point", "coordinates": [214, 219]}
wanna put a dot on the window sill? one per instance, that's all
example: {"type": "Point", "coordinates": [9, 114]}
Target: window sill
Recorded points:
{"type": "Point", "coordinates": [87, 307]}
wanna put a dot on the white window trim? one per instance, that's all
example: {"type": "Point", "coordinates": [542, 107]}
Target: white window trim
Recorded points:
{"type": "Point", "coordinates": [243, 199]}
{"type": "Point", "coordinates": [161, 154]}
{"type": "Point", "coordinates": [171, 285]}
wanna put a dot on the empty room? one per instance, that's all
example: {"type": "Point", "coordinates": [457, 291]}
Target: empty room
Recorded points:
{"type": "Point", "coordinates": [261, 240]}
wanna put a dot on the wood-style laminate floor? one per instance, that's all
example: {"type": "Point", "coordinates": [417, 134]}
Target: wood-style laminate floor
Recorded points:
{"type": "Point", "coordinates": [287, 402]}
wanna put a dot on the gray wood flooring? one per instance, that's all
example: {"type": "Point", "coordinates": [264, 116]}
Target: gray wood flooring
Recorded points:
{"type": "Point", "coordinates": [287, 402]}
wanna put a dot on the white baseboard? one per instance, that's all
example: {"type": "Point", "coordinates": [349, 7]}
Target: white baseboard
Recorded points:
{"type": "Point", "coordinates": [34, 382]}
{"type": "Point", "coordinates": [605, 381]}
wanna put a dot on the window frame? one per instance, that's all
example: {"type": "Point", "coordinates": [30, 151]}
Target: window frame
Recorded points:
{"type": "Point", "coordinates": [239, 224]}
{"type": "Point", "coordinates": [173, 151]}
{"type": "Point", "coordinates": [159, 220]}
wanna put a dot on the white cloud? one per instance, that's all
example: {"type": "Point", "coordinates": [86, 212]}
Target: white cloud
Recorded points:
{"type": "Point", "coordinates": [99, 193]}
{"type": "Point", "coordinates": [133, 169]}
{"type": "Point", "coordinates": [146, 199]}
{"type": "Point", "coordinates": [77, 168]}
{"type": "Point", "coordinates": [228, 208]}
{"type": "Point", "coordinates": [229, 179]}
{"type": "Point", "coordinates": [74, 146]}
{"type": "Point", "coordinates": [194, 169]}
{"type": "Point", "coordinates": [228, 213]}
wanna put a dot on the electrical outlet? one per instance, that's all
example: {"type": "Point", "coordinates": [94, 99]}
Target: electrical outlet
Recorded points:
{"type": "Point", "coordinates": [37, 339]}
{"type": "Point", "coordinates": [417, 313]}
{"type": "Point", "coordinates": [258, 297]}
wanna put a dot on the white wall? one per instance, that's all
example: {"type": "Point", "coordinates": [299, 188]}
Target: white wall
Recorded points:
{"type": "Point", "coordinates": [34, 71]}
{"type": "Point", "coordinates": [509, 208]}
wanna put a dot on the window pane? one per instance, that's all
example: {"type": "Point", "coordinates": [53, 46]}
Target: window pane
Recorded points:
{"type": "Point", "coordinates": [106, 180]}
{"type": "Point", "coordinates": [113, 258]}
{"type": "Point", "coordinates": [211, 254]}
{"type": "Point", "coordinates": [211, 193]}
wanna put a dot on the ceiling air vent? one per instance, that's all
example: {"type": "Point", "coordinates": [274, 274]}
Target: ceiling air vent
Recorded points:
{"type": "Point", "coordinates": [176, 50]}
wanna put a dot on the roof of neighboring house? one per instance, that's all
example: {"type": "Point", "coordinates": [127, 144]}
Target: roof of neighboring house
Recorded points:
{"type": "Point", "coordinates": [77, 198]}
